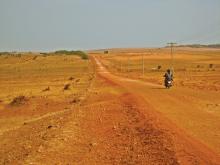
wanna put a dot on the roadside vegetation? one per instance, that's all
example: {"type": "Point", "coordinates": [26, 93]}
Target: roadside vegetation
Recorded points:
{"type": "Point", "coordinates": [79, 53]}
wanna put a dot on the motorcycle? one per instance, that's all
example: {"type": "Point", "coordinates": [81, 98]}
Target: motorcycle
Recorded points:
{"type": "Point", "coordinates": [168, 83]}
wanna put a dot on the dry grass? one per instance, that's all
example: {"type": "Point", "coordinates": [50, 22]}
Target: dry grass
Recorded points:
{"type": "Point", "coordinates": [194, 68]}
{"type": "Point", "coordinates": [30, 74]}
{"type": "Point", "coordinates": [32, 86]}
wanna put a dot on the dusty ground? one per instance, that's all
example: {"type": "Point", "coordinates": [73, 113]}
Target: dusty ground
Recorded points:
{"type": "Point", "coordinates": [106, 119]}
{"type": "Point", "coordinates": [194, 103]}
{"type": "Point", "coordinates": [191, 66]}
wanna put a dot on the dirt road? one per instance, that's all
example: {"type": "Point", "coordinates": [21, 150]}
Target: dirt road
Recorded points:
{"type": "Point", "coordinates": [198, 112]}
{"type": "Point", "coordinates": [120, 121]}
{"type": "Point", "coordinates": [181, 110]}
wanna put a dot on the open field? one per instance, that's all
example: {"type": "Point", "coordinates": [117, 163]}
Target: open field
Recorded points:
{"type": "Point", "coordinates": [105, 111]}
{"type": "Point", "coordinates": [30, 83]}
{"type": "Point", "coordinates": [194, 68]}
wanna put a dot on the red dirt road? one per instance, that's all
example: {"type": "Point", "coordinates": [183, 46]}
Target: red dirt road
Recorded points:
{"type": "Point", "coordinates": [153, 99]}
{"type": "Point", "coordinates": [120, 121]}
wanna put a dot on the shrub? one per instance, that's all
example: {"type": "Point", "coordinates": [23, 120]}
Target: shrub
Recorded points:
{"type": "Point", "coordinates": [81, 54]}
{"type": "Point", "coordinates": [19, 100]}
{"type": "Point", "coordinates": [4, 53]}
{"type": "Point", "coordinates": [34, 58]}
{"type": "Point", "coordinates": [46, 89]}
{"type": "Point", "coordinates": [66, 87]}
{"type": "Point", "coordinates": [159, 67]}
{"type": "Point", "coordinates": [71, 78]}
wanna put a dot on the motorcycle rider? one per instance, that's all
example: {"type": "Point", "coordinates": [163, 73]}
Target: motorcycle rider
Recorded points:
{"type": "Point", "coordinates": [168, 77]}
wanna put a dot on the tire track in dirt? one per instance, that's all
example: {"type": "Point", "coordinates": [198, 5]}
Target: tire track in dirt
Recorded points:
{"type": "Point", "coordinates": [155, 145]}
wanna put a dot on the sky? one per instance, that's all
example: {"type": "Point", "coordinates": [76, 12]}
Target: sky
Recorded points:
{"type": "Point", "coordinates": [46, 25]}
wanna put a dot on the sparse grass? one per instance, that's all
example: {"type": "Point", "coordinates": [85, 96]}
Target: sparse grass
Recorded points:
{"type": "Point", "coordinates": [28, 77]}
{"type": "Point", "coordinates": [191, 66]}
{"type": "Point", "coordinates": [32, 88]}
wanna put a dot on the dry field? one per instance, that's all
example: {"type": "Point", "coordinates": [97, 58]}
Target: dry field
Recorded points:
{"type": "Point", "coordinates": [33, 85]}
{"type": "Point", "coordinates": [194, 68]}
{"type": "Point", "coordinates": [65, 110]}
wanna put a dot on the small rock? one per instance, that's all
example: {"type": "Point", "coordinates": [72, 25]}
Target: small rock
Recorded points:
{"type": "Point", "coordinates": [64, 139]}
{"type": "Point", "coordinates": [78, 80]}
{"type": "Point", "coordinates": [46, 89]}
{"type": "Point", "coordinates": [93, 144]}
{"type": "Point", "coordinates": [71, 78]}
{"type": "Point", "coordinates": [50, 126]}
{"type": "Point", "coordinates": [118, 134]}
{"type": "Point", "coordinates": [40, 149]}
{"type": "Point", "coordinates": [76, 100]}
{"type": "Point", "coordinates": [66, 87]}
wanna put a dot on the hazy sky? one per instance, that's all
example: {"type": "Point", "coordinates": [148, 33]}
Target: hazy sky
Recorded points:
{"type": "Point", "coordinates": [90, 24]}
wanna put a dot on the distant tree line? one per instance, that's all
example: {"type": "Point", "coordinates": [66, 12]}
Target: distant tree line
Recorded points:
{"type": "Point", "coordinates": [15, 54]}
{"type": "Point", "coordinates": [4, 53]}
{"type": "Point", "coordinates": [201, 46]}
{"type": "Point", "coordinates": [79, 53]}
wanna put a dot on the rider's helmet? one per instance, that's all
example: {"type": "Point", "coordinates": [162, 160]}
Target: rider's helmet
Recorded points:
{"type": "Point", "coordinates": [168, 70]}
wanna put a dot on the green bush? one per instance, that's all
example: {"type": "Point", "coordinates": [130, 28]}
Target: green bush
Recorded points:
{"type": "Point", "coordinates": [4, 53]}
{"type": "Point", "coordinates": [79, 53]}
